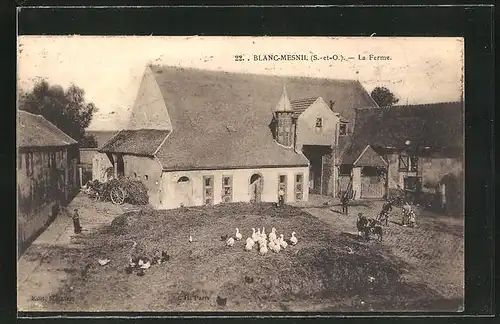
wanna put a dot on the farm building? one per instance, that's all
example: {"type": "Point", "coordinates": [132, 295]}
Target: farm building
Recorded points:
{"type": "Point", "coordinates": [47, 174]}
{"type": "Point", "coordinates": [414, 148]}
{"type": "Point", "coordinates": [197, 137]}
{"type": "Point", "coordinates": [87, 154]}
{"type": "Point", "coordinates": [317, 129]}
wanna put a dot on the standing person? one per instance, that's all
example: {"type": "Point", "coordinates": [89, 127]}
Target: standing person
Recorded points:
{"type": "Point", "coordinates": [281, 197]}
{"type": "Point", "coordinates": [76, 222]}
{"type": "Point", "coordinates": [412, 220]}
{"type": "Point", "coordinates": [406, 213]}
{"type": "Point", "coordinates": [384, 213]}
{"type": "Point", "coordinates": [344, 200]}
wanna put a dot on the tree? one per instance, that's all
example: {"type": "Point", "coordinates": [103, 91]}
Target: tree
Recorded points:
{"type": "Point", "coordinates": [88, 141]}
{"type": "Point", "coordinates": [383, 97]}
{"type": "Point", "coordinates": [65, 109]}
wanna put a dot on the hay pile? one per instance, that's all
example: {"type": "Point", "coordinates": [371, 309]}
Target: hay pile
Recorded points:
{"type": "Point", "coordinates": [136, 192]}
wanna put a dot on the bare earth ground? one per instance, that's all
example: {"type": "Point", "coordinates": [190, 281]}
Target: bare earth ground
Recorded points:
{"type": "Point", "coordinates": [328, 270]}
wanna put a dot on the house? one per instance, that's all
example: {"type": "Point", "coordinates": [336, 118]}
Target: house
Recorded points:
{"type": "Point", "coordinates": [197, 137]}
{"type": "Point", "coordinates": [417, 148]}
{"type": "Point", "coordinates": [87, 154]}
{"type": "Point", "coordinates": [318, 130]}
{"type": "Point", "coordinates": [46, 174]}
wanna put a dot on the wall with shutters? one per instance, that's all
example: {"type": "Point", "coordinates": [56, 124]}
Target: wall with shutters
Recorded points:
{"type": "Point", "coordinates": [240, 179]}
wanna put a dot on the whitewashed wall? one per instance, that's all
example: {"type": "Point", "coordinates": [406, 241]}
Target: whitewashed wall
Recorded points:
{"type": "Point", "coordinates": [240, 181]}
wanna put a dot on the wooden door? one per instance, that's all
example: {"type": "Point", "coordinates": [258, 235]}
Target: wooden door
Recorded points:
{"type": "Point", "coordinates": [371, 187]}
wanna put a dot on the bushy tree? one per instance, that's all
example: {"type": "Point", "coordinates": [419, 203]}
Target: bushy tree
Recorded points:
{"type": "Point", "coordinates": [65, 109]}
{"type": "Point", "coordinates": [383, 97]}
{"type": "Point", "coordinates": [88, 141]}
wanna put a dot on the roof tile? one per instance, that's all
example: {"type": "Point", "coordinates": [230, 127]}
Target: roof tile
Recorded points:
{"type": "Point", "coordinates": [36, 131]}
{"type": "Point", "coordinates": [200, 104]}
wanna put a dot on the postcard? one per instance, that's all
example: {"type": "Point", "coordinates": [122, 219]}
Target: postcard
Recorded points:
{"type": "Point", "coordinates": [240, 174]}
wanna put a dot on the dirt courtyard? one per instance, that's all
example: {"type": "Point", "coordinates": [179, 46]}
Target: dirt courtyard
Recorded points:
{"type": "Point", "coordinates": [412, 269]}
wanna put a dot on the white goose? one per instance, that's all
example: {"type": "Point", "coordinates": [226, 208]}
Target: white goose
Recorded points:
{"type": "Point", "coordinates": [276, 247]}
{"type": "Point", "coordinates": [230, 241]}
{"type": "Point", "coordinates": [258, 234]}
{"type": "Point", "coordinates": [263, 249]}
{"type": "Point", "coordinates": [263, 234]}
{"type": "Point", "coordinates": [262, 241]}
{"type": "Point", "coordinates": [238, 234]}
{"type": "Point", "coordinates": [282, 242]}
{"type": "Point", "coordinates": [293, 239]}
{"type": "Point", "coordinates": [272, 235]}
{"type": "Point", "coordinates": [271, 244]}
{"type": "Point", "coordinates": [254, 235]}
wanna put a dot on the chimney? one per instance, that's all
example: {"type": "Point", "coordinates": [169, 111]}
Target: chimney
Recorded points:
{"type": "Point", "coordinates": [332, 103]}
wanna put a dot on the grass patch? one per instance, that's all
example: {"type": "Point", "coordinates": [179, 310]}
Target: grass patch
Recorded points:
{"type": "Point", "coordinates": [320, 267]}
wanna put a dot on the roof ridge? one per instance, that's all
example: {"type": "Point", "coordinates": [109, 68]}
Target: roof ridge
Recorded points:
{"type": "Point", "coordinates": [410, 105]}
{"type": "Point", "coordinates": [27, 112]}
{"type": "Point", "coordinates": [160, 66]}
{"type": "Point", "coordinates": [305, 99]}
{"type": "Point", "coordinates": [423, 104]}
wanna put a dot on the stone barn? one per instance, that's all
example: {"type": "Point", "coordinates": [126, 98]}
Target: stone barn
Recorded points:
{"type": "Point", "coordinates": [46, 174]}
{"type": "Point", "coordinates": [203, 137]}
{"type": "Point", "coordinates": [415, 148]}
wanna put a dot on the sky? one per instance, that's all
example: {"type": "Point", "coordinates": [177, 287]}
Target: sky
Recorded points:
{"type": "Point", "coordinates": [109, 69]}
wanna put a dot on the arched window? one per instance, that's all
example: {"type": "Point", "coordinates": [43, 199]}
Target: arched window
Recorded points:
{"type": "Point", "coordinates": [183, 179]}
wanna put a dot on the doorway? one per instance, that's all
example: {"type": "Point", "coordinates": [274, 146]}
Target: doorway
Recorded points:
{"type": "Point", "coordinates": [318, 175]}
{"type": "Point", "coordinates": [256, 185]}
{"type": "Point", "coordinates": [120, 166]}
{"type": "Point", "coordinates": [183, 191]}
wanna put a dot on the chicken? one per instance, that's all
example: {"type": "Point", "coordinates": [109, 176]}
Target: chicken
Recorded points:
{"type": "Point", "coordinates": [103, 262]}
{"type": "Point", "coordinates": [221, 301]}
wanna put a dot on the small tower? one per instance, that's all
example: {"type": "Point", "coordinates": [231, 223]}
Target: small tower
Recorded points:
{"type": "Point", "coordinates": [284, 126]}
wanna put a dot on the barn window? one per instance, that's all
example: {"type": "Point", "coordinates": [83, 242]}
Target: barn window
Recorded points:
{"type": "Point", "coordinates": [299, 190]}
{"type": "Point", "coordinates": [408, 163]}
{"type": "Point", "coordinates": [146, 177]}
{"type": "Point", "coordinates": [208, 190]}
{"type": "Point", "coordinates": [343, 129]}
{"type": "Point", "coordinates": [319, 122]}
{"type": "Point", "coordinates": [135, 175]}
{"type": "Point", "coordinates": [282, 185]}
{"type": "Point", "coordinates": [183, 179]}
{"type": "Point", "coordinates": [227, 188]}
{"type": "Point", "coordinates": [403, 162]}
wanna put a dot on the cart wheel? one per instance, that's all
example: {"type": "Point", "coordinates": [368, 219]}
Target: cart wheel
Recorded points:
{"type": "Point", "coordinates": [117, 196]}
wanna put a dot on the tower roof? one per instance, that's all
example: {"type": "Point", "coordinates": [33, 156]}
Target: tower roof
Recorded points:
{"type": "Point", "coordinates": [284, 103]}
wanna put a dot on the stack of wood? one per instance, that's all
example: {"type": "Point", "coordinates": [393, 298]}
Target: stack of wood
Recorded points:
{"type": "Point", "coordinates": [135, 191]}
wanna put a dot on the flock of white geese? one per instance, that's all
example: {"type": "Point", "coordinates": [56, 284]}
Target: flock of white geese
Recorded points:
{"type": "Point", "coordinates": [273, 241]}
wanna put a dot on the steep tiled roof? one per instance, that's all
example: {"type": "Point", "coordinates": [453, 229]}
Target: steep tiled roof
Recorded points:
{"type": "Point", "coordinates": [201, 105]}
{"type": "Point", "coordinates": [300, 105]}
{"type": "Point", "coordinates": [138, 142]}
{"type": "Point", "coordinates": [437, 126]}
{"type": "Point", "coordinates": [36, 131]}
